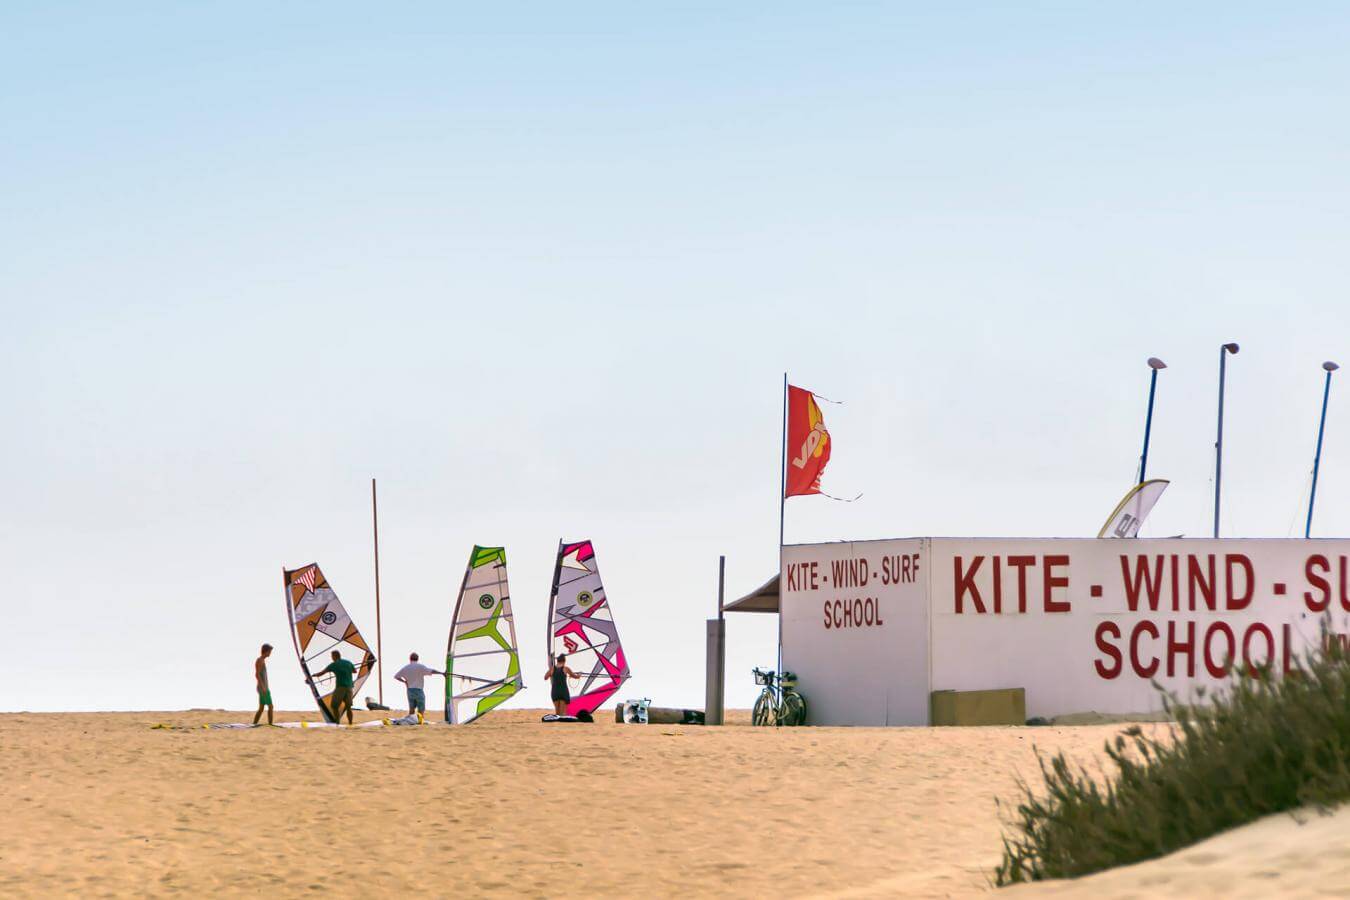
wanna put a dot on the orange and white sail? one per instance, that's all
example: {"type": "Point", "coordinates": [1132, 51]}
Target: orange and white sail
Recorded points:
{"type": "Point", "coordinates": [319, 625]}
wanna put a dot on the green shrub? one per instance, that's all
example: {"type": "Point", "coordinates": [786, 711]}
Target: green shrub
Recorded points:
{"type": "Point", "coordinates": [1262, 746]}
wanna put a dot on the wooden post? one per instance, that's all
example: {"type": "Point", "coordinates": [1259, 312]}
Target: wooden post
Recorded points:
{"type": "Point", "coordinates": [714, 700]}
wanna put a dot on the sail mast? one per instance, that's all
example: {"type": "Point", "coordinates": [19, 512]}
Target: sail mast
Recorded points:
{"type": "Point", "coordinates": [379, 647]}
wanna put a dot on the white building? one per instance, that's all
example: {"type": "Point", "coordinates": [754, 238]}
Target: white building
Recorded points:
{"type": "Point", "coordinates": [871, 628]}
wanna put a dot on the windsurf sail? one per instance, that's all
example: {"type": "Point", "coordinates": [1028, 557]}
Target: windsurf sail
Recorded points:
{"type": "Point", "coordinates": [319, 625]}
{"type": "Point", "coordinates": [581, 625]}
{"type": "Point", "coordinates": [482, 661]}
{"type": "Point", "coordinates": [1130, 513]}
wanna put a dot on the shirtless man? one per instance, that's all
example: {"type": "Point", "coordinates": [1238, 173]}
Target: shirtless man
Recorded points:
{"type": "Point", "coordinates": [264, 691]}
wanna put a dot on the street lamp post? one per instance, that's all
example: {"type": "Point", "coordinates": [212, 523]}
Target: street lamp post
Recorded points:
{"type": "Point", "coordinates": [1330, 367]}
{"type": "Point", "coordinates": [1218, 443]}
{"type": "Point", "coordinates": [1155, 364]}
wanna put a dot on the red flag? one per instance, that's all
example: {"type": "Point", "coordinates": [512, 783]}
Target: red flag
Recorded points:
{"type": "Point", "coordinates": [808, 444]}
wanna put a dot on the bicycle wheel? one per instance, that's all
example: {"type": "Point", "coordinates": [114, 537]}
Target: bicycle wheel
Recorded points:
{"type": "Point", "coordinates": [764, 713]}
{"type": "Point", "coordinates": [794, 708]}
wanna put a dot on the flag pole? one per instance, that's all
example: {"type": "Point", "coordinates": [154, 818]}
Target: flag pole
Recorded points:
{"type": "Point", "coordinates": [1330, 367]}
{"type": "Point", "coordinates": [379, 648]}
{"type": "Point", "coordinates": [1218, 441]}
{"type": "Point", "coordinates": [782, 469]}
{"type": "Point", "coordinates": [782, 509]}
{"type": "Point", "coordinates": [1155, 364]}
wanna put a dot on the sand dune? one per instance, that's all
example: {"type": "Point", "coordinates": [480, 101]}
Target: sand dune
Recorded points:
{"type": "Point", "coordinates": [1279, 856]}
{"type": "Point", "coordinates": [101, 803]}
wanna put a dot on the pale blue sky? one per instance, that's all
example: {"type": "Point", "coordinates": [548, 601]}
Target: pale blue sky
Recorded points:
{"type": "Point", "coordinates": [539, 270]}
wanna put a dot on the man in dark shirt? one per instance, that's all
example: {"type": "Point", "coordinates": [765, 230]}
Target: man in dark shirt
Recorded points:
{"type": "Point", "coordinates": [344, 672]}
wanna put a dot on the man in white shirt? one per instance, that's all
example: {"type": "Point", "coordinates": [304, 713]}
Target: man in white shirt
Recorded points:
{"type": "Point", "coordinates": [413, 676]}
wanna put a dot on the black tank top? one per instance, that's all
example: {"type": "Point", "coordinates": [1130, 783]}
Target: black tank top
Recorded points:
{"type": "Point", "coordinates": [559, 677]}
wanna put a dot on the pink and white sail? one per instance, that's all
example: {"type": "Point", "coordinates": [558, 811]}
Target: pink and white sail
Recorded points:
{"type": "Point", "coordinates": [581, 625]}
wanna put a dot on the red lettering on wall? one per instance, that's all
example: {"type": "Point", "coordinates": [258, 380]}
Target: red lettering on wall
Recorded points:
{"type": "Point", "coordinates": [1217, 666]}
{"type": "Point", "coordinates": [1020, 563]}
{"type": "Point", "coordinates": [860, 612]}
{"type": "Point", "coordinates": [803, 576]}
{"type": "Point", "coordinates": [1317, 561]}
{"type": "Point", "coordinates": [998, 586]}
{"type": "Point", "coordinates": [1111, 670]}
{"type": "Point", "coordinates": [1176, 585]}
{"type": "Point", "coordinates": [1199, 579]}
{"type": "Point", "coordinates": [1257, 628]}
{"type": "Point", "coordinates": [1150, 582]}
{"type": "Point", "coordinates": [1144, 626]}
{"type": "Point", "coordinates": [1345, 595]}
{"type": "Point", "coordinates": [1177, 648]}
{"type": "Point", "coordinates": [965, 584]}
{"type": "Point", "coordinates": [1053, 581]}
{"type": "Point", "coordinates": [1243, 600]}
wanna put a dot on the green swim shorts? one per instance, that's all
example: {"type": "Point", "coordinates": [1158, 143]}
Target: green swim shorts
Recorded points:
{"type": "Point", "coordinates": [264, 698]}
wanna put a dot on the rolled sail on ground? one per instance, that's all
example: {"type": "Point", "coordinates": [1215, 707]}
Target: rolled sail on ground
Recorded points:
{"type": "Point", "coordinates": [482, 661]}
{"type": "Point", "coordinates": [320, 625]}
{"type": "Point", "coordinates": [581, 625]}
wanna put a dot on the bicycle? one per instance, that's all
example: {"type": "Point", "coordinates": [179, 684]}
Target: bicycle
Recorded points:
{"type": "Point", "coordinates": [779, 703]}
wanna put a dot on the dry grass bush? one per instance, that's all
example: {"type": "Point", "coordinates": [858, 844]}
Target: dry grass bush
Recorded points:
{"type": "Point", "coordinates": [1264, 745]}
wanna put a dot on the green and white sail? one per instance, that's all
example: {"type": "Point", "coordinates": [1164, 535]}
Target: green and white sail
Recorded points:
{"type": "Point", "coordinates": [482, 662]}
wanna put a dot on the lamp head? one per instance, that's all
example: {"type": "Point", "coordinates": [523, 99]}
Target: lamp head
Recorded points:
{"type": "Point", "coordinates": [1155, 363]}
{"type": "Point", "coordinates": [1330, 366]}
{"type": "Point", "coordinates": [1231, 348]}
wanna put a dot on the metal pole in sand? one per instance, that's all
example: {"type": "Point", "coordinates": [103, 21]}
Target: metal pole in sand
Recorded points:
{"type": "Point", "coordinates": [1218, 442]}
{"type": "Point", "coordinates": [379, 645]}
{"type": "Point", "coordinates": [1330, 367]}
{"type": "Point", "coordinates": [1155, 364]}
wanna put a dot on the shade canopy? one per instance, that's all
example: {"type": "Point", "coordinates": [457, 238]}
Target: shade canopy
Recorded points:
{"type": "Point", "coordinates": [763, 599]}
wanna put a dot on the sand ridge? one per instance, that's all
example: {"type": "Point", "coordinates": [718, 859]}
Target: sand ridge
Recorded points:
{"type": "Point", "coordinates": [1304, 854]}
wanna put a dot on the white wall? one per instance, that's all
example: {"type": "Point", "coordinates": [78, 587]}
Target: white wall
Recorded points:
{"type": "Point", "coordinates": [1049, 615]}
{"type": "Point", "coordinates": [855, 631]}
{"type": "Point", "coordinates": [1074, 654]}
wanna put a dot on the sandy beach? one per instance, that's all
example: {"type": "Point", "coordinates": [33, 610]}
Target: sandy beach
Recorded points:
{"type": "Point", "coordinates": [106, 804]}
